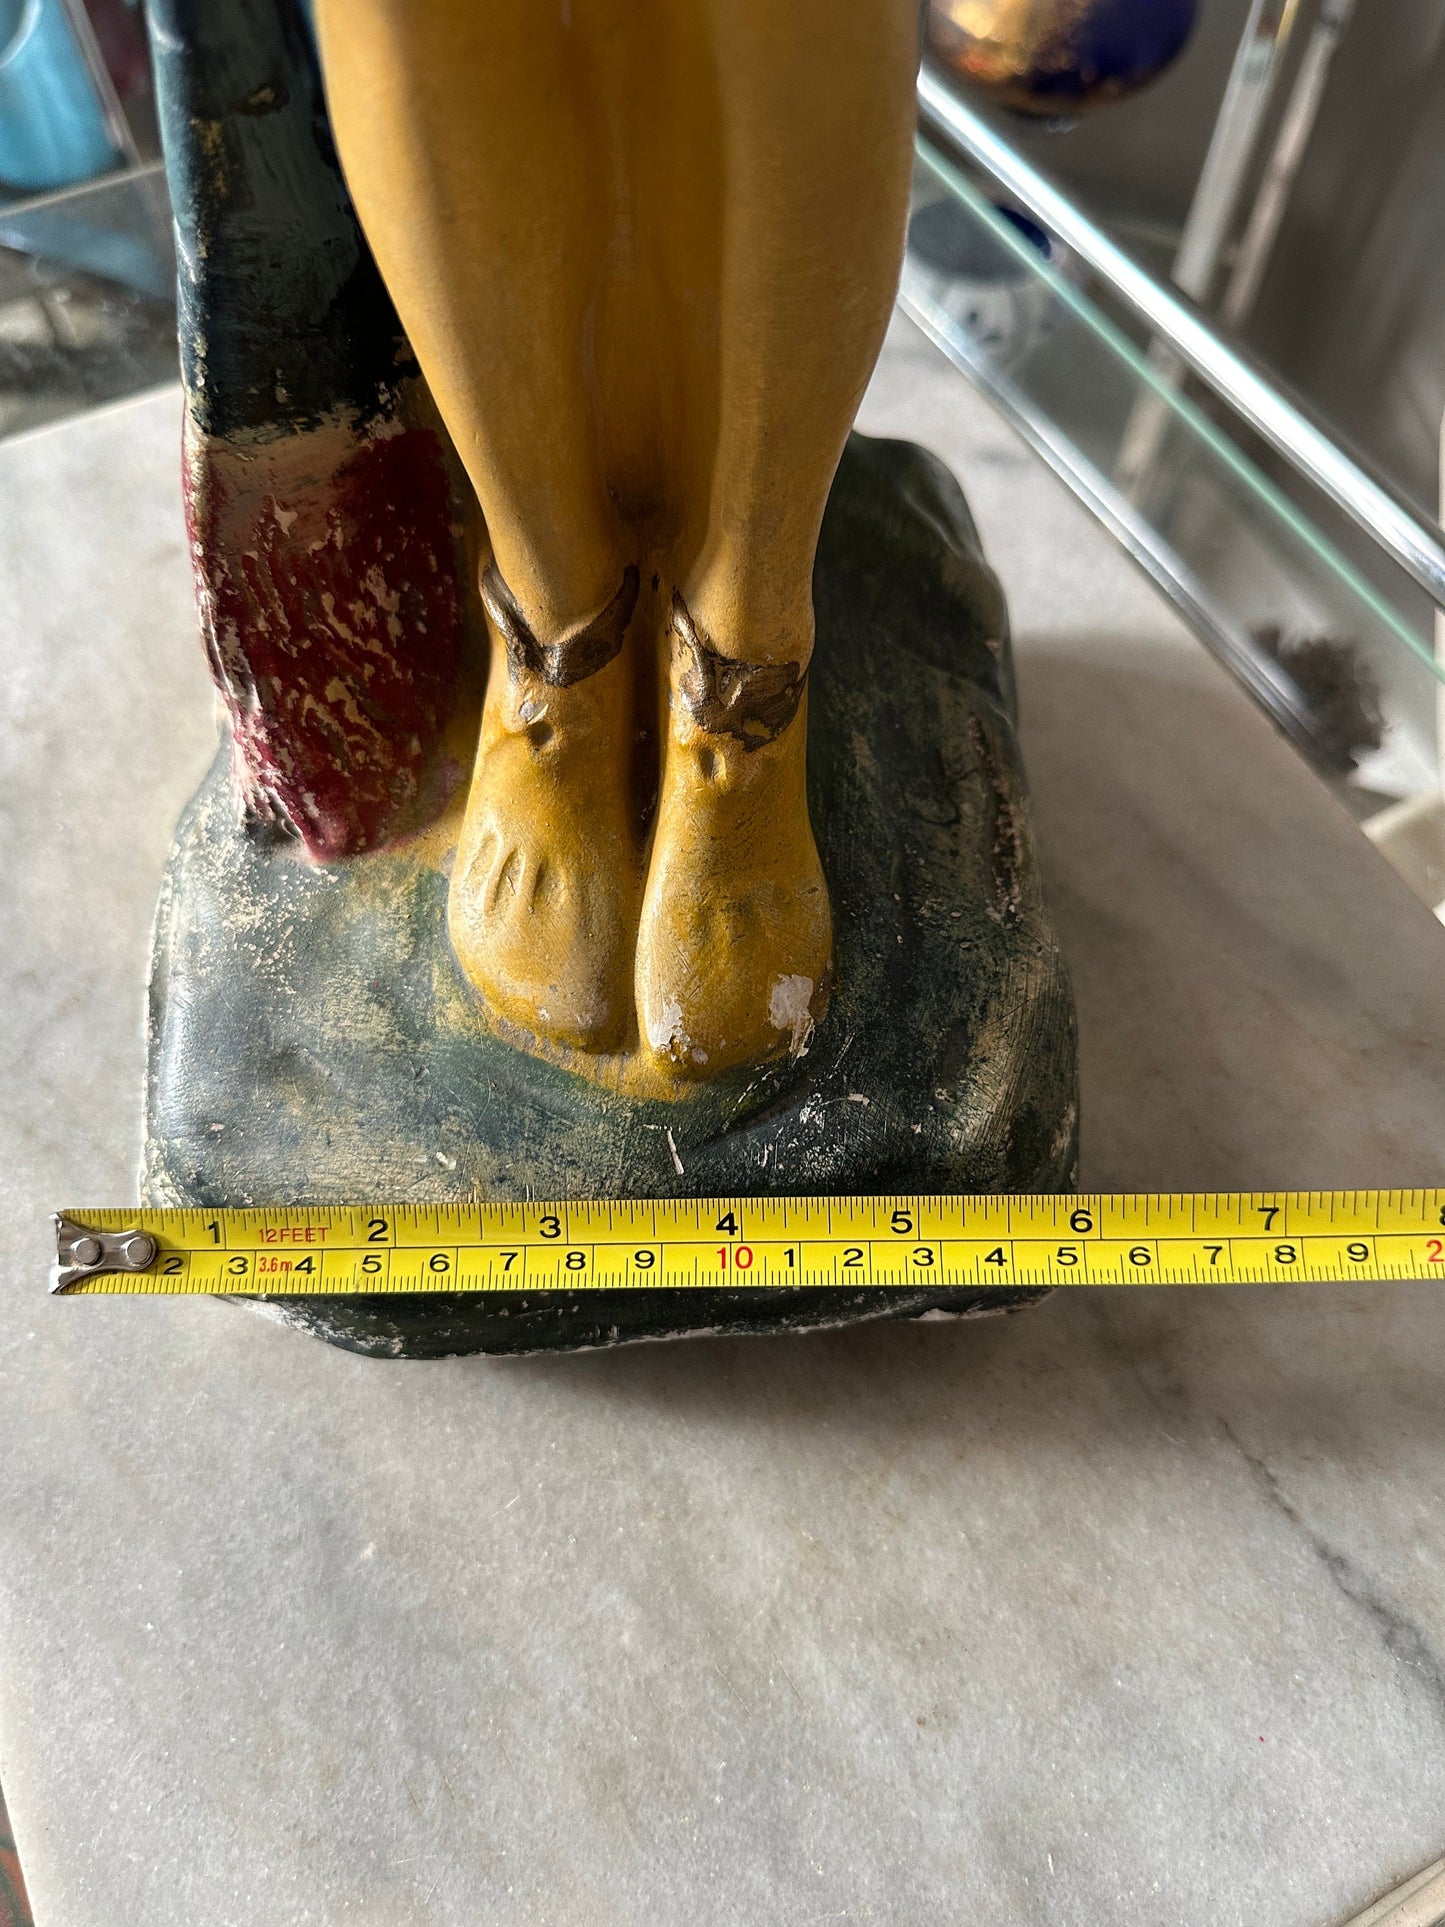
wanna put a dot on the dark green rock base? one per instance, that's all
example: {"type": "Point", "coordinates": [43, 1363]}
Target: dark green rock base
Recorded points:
{"type": "Point", "coordinates": [312, 1040]}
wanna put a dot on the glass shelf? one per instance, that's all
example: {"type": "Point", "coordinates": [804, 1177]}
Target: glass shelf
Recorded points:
{"type": "Point", "coordinates": [87, 297]}
{"type": "Point", "coordinates": [1306, 575]}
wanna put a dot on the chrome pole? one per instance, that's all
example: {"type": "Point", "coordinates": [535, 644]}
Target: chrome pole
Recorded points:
{"type": "Point", "coordinates": [1300, 114]}
{"type": "Point", "coordinates": [1232, 146]}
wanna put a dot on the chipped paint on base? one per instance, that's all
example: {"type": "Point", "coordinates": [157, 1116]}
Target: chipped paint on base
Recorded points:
{"type": "Point", "coordinates": [790, 1008]}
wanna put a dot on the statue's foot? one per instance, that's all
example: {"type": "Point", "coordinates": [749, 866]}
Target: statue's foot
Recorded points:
{"type": "Point", "coordinates": [734, 947]}
{"type": "Point", "coordinates": [544, 894]}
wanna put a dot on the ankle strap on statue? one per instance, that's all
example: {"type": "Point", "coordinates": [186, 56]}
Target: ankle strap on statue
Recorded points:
{"type": "Point", "coordinates": [753, 702]}
{"type": "Point", "coordinates": [576, 654]}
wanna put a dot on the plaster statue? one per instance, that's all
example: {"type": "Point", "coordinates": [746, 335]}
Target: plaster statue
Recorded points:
{"type": "Point", "coordinates": [546, 856]}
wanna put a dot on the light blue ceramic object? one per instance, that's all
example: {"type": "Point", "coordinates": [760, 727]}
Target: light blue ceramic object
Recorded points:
{"type": "Point", "coordinates": [52, 128]}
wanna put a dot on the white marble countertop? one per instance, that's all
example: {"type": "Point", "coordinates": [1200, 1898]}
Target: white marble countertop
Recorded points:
{"type": "Point", "coordinates": [1131, 1609]}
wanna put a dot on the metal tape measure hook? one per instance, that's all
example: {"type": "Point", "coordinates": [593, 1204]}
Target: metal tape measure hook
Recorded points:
{"type": "Point", "coordinates": [82, 1253]}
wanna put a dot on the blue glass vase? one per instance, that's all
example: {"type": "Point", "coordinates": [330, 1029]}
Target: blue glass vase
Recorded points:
{"type": "Point", "coordinates": [1054, 58]}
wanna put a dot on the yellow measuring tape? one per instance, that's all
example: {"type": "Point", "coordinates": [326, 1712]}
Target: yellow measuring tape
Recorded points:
{"type": "Point", "coordinates": [1213, 1238]}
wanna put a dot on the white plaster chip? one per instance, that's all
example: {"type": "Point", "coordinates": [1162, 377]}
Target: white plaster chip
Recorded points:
{"type": "Point", "coordinates": [788, 1009]}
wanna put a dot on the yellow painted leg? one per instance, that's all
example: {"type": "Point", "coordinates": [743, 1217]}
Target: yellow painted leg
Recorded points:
{"type": "Point", "coordinates": [814, 101]}
{"type": "Point", "coordinates": [645, 250]}
{"type": "Point", "coordinates": [470, 137]}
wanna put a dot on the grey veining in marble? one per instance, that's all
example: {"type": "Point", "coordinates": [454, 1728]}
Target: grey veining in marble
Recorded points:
{"type": "Point", "coordinates": [1131, 1609]}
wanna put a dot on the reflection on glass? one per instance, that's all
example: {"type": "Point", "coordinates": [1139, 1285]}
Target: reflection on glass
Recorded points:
{"type": "Point", "coordinates": [87, 298]}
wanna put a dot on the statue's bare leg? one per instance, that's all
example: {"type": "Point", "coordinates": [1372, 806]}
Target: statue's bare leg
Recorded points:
{"type": "Point", "coordinates": [469, 136]}
{"type": "Point", "coordinates": [814, 124]}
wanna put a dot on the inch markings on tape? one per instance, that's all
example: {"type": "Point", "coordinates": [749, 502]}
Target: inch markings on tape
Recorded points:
{"type": "Point", "coordinates": [1208, 1238]}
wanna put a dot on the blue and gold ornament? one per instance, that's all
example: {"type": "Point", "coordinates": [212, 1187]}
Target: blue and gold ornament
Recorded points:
{"type": "Point", "coordinates": [1056, 57]}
